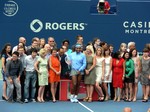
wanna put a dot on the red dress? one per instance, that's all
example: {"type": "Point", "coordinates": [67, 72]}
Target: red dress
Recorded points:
{"type": "Point", "coordinates": [117, 73]}
{"type": "Point", "coordinates": [55, 63]}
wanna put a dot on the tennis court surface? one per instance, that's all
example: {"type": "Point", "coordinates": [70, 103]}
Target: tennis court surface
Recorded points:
{"type": "Point", "coordinates": [66, 106]}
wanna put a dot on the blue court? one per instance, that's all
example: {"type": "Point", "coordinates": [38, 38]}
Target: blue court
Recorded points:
{"type": "Point", "coordinates": [66, 106]}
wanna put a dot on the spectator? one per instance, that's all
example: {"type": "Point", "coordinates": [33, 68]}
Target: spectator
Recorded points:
{"type": "Point", "coordinates": [111, 48]}
{"type": "Point", "coordinates": [38, 42]}
{"type": "Point", "coordinates": [22, 57]}
{"type": "Point", "coordinates": [90, 76]}
{"type": "Point", "coordinates": [103, 7]}
{"type": "Point", "coordinates": [5, 54]}
{"type": "Point", "coordinates": [14, 70]}
{"type": "Point", "coordinates": [104, 45]}
{"type": "Point", "coordinates": [148, 47]}
{"type": "Point", "coordinates": [34, 45]}
{"type": "Point", "coordinates": [131, 45]}
{"type": "Point", "coordinates": [54, 72]}
{"type": "Point", "coordinates": [30, 76]}
{"type": "Point", "coordinates": [65, 69]}
{"type": "Point", "coordinates": [66, 43]}
{"type": "Point", "coordinates": [100, 69]}
{"type": "Point", "coordinates": [21, 40]}
{"type": "Point", "coordinates": [52, 43]}
{"type": "Point", "coordinates": [41, 66]}
{"type": "Point", "coordinates": [48, 50]}
{"type": "Point", "coordinates": [118, 71]}
{"type": "Point", "coordinates": [128, 76]}
{"type": "Point", "coordinates": [48, 54]}
{"type": "Point", "coordinates": [123, 48]}
{"type": "Point", "coordinates": [145, 74]}
{"type": "Point", "coordinates": [42, 43]}
{"type": "Point", "coordinates": [136, 59]}
{"type": "Point", "coordinates": [108, 72]}
{"type": "Point", "coordinates": [79, 39]}
{"type": "Point", "coordinates": [20, 45]}
{"type": "Point", "coordinates": [96, 43]}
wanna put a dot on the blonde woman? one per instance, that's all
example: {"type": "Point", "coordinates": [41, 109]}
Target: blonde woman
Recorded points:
{"type": "Point", "coordinates": [42, 69]}
{"type": "Point", "coordinates": [123, 48]}
{"type": "Point", "coordinates": [108, 71]}
{"type": "Point", "coordinates": [89, 78]}
{"type": "Point", "coordinates": [100, 65]}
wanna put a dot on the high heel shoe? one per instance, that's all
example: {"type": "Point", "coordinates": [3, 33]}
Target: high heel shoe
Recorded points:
{"type": "Point", "coordinates": [85, 99]}
{"type": "Point", "coordinates": [115, 99]}
{"type": "Point", "coordinates": [39, 100]}
{"type": "Point", "coordinates": [42, 100]}
{"type": "Point", "coordinates": [145, 100]}
{"type": "Point", "coordinates": [126, 99]}
{"type": "Point", "coordinates": [54, 101]}
{"type": "Point", "coordinates": [118, 100]}
{"type": "Point", "coordinates": [101, 98]}
{"type": "Point", "coordinates": [89, 99]}
{"type": "Point", "coordinates": [129, 100]}
{"type": "Point", "coordinates": [134, 100]}
{"type": "Point", "coordinates": [3, 98]}
{"type": "Point", "coordinates": [106, 98]}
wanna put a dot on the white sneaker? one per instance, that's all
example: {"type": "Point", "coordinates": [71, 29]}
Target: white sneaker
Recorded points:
{"type": "Point", "coordinates": [26, 101]}
{"type": "Point", "coordinates": [33, 100]}
{"type": "Point", "coordinates": [75, 100]}
{"type": "Point", "coordinates": [72, 98]}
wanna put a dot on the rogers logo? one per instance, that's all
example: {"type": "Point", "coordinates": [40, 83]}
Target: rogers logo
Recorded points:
{"type": "Point", "coordinates": [36, 26]}
{"type": "Point", "coordinates": [36, 22]}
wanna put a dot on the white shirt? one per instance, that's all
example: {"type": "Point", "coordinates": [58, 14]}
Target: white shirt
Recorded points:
{"type": "Point", "coordinates": [29, 63]}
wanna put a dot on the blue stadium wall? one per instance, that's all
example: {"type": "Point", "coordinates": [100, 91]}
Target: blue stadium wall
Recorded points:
{"type": "Point", "coordinates": [129, 20]}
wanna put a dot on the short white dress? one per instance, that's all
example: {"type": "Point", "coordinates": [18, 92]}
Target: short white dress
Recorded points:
{"type": "Point", "coordinates": [98, 69]}
{"type": "Point", "coordinates": [136, 69]}
{"type": "Point", "coordinates": [107, 68]}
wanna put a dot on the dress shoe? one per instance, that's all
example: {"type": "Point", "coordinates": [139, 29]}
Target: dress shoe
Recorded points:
{"type": "Point", "coordinates": [3, 98]}
{"type": "Point", "coordinates": [19, 101]}
{"type": "Point", "coordinates": [10, 100]}
{"type": "Point", "coordinates": [145, 100]}
{"type": "Point", "coordinates": [54, 101]}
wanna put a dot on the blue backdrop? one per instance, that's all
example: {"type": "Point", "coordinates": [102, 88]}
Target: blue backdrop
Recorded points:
{"type": "Point", "coordinates": [68, 18]}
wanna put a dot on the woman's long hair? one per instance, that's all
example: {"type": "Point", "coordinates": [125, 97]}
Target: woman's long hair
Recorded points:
{"type": "Point", "coordinates": [4, 49]}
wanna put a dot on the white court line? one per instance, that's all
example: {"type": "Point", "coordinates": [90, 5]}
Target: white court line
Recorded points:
{"type": "Point", "coordinates": [85, 107]}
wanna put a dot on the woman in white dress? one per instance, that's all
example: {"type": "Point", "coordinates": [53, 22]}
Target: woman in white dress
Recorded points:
{"type": "Point", "coordinates": [136, 60]}
{"type": "Point", "coordinates": [108, 71]}
{"type": "Point", "coordinates": [99, 72]}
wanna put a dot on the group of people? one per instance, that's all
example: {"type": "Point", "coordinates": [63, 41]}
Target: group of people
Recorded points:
{"type": "Point", "coordinates": [95, 63]}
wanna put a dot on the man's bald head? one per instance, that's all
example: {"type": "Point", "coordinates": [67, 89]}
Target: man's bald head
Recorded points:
{"type": "Point", "coordinates": [127, 109]}
{"type": "Point", "coordinates": [22, 40]}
